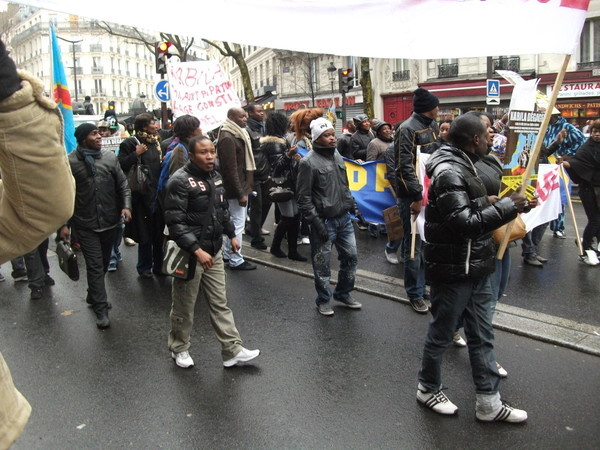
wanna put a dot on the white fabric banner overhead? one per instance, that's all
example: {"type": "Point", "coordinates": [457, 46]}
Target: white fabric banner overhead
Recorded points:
{"type": "Point", "coordinates": [201, 88]}
{"type": "Point", "coordinates": [417, 29]}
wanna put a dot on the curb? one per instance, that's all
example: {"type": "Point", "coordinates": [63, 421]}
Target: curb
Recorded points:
{"type": "Point", "coordinates": [554, 330]}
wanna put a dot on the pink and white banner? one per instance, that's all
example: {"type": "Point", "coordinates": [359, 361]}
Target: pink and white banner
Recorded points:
{"type": "Point", "coordinates": [418, 29]}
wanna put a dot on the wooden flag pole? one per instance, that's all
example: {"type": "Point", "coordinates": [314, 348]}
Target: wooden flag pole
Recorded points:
{"type": "Point", "coordinates": [579, 244]}
{"type": "Point", "coordinates": [413, 222]}
{"type": "Point", "coordinates": [533, 160]}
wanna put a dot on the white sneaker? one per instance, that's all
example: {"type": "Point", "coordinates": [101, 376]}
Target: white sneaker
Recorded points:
{"type": "Point", "coordinates": [244, 355]}
{"type": "Point", "coordinates": [264, 231]}
{"type": "Point", "coordinates": [437, 401]}
{"type": "Point", "coordinates": [183, 359]}
{"type": "Point", "coordinates": [505, 413]}
{"type": "Point", "coordinates": [392, 258]}
{"type": "Point", "coordinates": [305, 240]}
{"type": "Point", "coordinates": [458, 340]}
{"type": "Point", "coordinates": [590, 258]}
{"type": "Point", "coordinates": [501, 371]}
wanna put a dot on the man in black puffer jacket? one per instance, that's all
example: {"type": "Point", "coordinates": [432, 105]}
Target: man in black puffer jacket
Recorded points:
{"type": "Point", "coordinates": [459, 258]}
{"type": "Point", "coordinates": [197, 215]}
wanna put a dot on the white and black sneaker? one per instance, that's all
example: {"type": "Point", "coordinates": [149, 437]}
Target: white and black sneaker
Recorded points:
{"type": "Point", "coordinates": [183, 359]}
{"type": "Point", "coordinates": [437, 401]}
{"type": "Point", "coordinates": [505, 413]}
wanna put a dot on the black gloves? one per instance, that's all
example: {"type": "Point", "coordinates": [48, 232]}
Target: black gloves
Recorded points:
{"type": "Point", "coordinates": [320, 229]}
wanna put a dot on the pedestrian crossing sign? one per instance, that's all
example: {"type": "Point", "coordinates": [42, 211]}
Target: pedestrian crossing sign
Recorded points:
{"type": "Point", "coordinates": [493, 88]}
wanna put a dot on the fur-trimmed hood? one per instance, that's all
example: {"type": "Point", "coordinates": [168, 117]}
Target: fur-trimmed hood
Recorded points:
{"type": "Point", "coordinates": [272, 139]}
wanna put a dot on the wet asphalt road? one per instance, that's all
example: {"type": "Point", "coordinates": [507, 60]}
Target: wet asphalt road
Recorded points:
{"type": "Point", "coordinates": [348, 381]}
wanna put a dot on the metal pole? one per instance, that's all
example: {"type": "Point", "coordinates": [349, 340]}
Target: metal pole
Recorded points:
{"type": "Point", "coordinates": [489, 73]}
{"type": "Point", "coordinates": [343, 109]}
{"type": "Point", "coordinates": [75, 71]}
{"type": "Point", "coordinates": [164, 114]}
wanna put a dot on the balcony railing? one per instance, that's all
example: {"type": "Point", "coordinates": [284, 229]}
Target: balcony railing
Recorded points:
{"type": "Point", "coordinates": [448, 70]}
{"type": "Point", "coordinates": [588, 65]}
{"type": "Point", "coordinates": [97, 70]}
{"type": "Point", "coordinates": [401, 75]}
{"type": "Point", "coordinates": [508, 63]}
{"type": "Point", "coordinates": [97, 93]}
{"type": "Point", "coordinates": [79, 71]}
{"type": "Point", "coordinates": [95, 47]}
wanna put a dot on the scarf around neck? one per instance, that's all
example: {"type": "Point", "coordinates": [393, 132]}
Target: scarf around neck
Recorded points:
{"type": "Point", "coordinates": [240, 133]}
{"type": "Point", "coordinates": [89, 156]}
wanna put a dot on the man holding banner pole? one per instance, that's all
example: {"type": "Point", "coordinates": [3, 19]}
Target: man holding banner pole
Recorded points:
{"type": "Point", "coordinates": [418, 131]}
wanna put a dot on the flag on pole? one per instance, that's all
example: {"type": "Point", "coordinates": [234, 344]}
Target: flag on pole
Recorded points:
{"type": "Point", "coordinates": [549, 203]}
{"type": "Point", "coordinates": [331, 113]}
{"type": "Point", "coordinates": [60, 92]}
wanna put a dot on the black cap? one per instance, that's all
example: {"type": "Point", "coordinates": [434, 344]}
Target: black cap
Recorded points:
{"type": "Point", "coordinates": [83, 130]}
{"type": "Point", "coordinates": [424, 101]}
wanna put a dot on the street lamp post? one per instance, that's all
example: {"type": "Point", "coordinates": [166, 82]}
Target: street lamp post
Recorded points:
{"type": "Point", "coordinates": [331, 71]}
{"type": "Point", "coordinates": [74, 63]}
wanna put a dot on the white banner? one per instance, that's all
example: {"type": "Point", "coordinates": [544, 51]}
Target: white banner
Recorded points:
{"type": "Point", "coordinates": [375, 28]}
{"type": "Point", "coordinates": [200, 88]}
{"type": "Point", "coordinates": [549, 201]}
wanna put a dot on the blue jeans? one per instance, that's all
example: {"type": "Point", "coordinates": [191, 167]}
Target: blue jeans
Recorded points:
{"type": "Point", "coordinates": [341, 233]}
{"type": "Point", "coordinates": [558, 224]}
{"type": "Point", "coordinates": [472, 300]}
{"type": "Point", "coordinates": [414, 269]}
{"type": "Point", "coordinates": [115, 255]}
{"type": "Point", "coordinates": [238, 217]}
{"type": "Point", "coordinates": [499, 279]}
{"type": "Point", "coordinates": [532, 239]}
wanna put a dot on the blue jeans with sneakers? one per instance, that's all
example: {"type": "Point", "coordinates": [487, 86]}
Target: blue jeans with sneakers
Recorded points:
{"type": "Point", "coordinates": [341, 234]}
{"type": "Point", "coordinates": [472, 300]}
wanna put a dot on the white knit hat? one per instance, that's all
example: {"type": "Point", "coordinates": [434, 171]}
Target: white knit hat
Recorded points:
{"type": "Point", "coordinates": [318, 127]}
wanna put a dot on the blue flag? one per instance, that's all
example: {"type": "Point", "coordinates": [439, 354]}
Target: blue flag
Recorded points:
{"type": "Point", "coordinates": [60, 92]}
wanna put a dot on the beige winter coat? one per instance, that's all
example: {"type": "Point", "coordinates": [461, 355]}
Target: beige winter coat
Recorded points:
{"type": "Point", "coordinates": [14, 409]}
{"type": "Point", "coordinates": [37, 191]}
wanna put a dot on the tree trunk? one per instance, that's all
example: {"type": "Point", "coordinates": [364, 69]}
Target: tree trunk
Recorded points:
{"type": "Point", "coordinates": [367, 87]}
{"type": "Point", "coordinates": [238, 57]}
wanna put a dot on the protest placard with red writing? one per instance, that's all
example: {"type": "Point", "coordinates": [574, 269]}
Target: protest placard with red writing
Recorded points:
{"type": "Point", "coordinates": [202, 89]}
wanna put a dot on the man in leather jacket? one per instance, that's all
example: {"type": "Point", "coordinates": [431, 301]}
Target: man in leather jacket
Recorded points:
{"type": "Point", "coordinates": [258, 203]}
{"type": "Point", "coordinates": [459, 258]}
{"type": "Point", "coordinates": [102, 200]}
{"type": "Point", "coordinates": [197, 215]}
{"type": "Point", "coordinates": [325, 200]}
{"type": "Point", "coordinates": [417, 131]}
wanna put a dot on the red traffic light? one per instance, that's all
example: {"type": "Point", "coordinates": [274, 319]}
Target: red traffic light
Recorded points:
{"type": "Point", "coordinates": [346, 72]}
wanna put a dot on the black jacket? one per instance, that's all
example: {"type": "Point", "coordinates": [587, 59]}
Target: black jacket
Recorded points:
{"type": "Point", "coordinates": [322, 188]}
{"type": "Point", "coordinates": [389, 156]}
{"type": "Point", "coordinates": [256, 131]}
{"type": "Point", "coordinates": [344, 147]}
{"type": "Point", "coordinates": [187, 209]}
{"type": "Point", "coordinates": [359, 143]}
{"type": "Point", "coordinates": [416, 130]}
{"type": "Point", "coordinates": [99, 199]}
{"type": "Point", "coordinates": [276, 150]}
{"type": "Point", "coordinates": [459, 219]}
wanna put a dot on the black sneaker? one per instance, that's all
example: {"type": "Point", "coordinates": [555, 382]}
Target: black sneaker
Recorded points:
{"type": "Point", "coordinates": [244, 266]}
{"type": "Point", "coordinates": [49, 281]}
{"type": "Point", "coordinates": [259, 246]}
{"type": "Point", "coordinates": [419, 306]}
{"type": "Point", "coordinates": [349, 302]}
{"type": "Point", "coordinates": [102, 320]}
{"type": "Point", "coordinates": [36, 293]}
{"type": "Point", "coordinates": [19, 275]}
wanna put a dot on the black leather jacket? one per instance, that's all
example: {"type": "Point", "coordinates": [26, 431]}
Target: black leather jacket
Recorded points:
{"type": "Point", "coordinates": [459, 219]}
{"type": "Point", "coordinates": [187, 209]}
{"type": "Point", "coordinates": [263, 169]}
{"type": "Point", "coordinates": [99, 199]}
{"type": "Point", "coordinates": [322, 188]}
{"type": "Point", "coordinates": [412, 133]}
{"type": "Point", "coordinates": [276, 149]}
{"type": "Point", "coordinates": [359, 143]}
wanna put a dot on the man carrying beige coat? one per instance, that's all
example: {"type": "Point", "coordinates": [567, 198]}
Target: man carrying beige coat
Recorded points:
{"type": "Point", "coordinates": [37, 194]}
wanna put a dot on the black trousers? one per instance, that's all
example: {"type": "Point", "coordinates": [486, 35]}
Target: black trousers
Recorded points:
{"type": "Point", "coordinates": [96, 248]}
{"type": "Point", "coordinates": [259, 205]}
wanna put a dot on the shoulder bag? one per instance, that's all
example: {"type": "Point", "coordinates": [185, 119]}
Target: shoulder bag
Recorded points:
{"type": "Point", "coordinates": [137, 177]}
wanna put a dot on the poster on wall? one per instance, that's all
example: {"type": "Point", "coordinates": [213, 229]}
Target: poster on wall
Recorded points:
{"type": "Point", "coordinates": [523, 131]}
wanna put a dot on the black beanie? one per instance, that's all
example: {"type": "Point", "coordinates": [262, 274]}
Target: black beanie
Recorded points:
{"type": "Point", "coordinates": [424, 101]}
{"type": "Point", "coordinates": [83, 131]}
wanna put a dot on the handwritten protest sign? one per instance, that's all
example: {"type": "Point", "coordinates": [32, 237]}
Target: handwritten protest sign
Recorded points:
{"type": "Point", "coordinates": [202, 89]}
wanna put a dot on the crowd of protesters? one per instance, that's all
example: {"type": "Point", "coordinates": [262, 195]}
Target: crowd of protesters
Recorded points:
{"type": "Point", "coordinates": [204, 193]}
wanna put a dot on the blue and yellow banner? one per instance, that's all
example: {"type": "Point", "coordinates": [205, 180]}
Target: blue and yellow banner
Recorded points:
{"type": "Point", "coordinates": [369, 186]}
{"type": "Point", "coordinates": [60, 92]}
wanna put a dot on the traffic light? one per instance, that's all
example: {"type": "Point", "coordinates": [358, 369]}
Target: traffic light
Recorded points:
{"type": "Point", "coordinates": [162, 53]}
{"type": "Point", "coordinates": [346, 78]}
